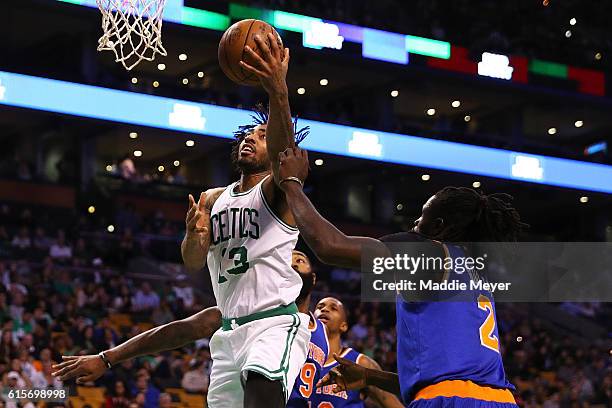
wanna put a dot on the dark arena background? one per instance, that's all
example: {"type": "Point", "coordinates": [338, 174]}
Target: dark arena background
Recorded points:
{"type": "Point", "coordinates": [402, 98]}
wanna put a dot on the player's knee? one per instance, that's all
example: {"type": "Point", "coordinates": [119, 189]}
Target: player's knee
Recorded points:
{"type": "Point", "coordinates": [262, 392]}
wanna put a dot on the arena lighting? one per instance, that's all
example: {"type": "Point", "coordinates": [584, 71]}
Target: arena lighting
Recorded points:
{"type": "Point", "coordinates": [109, 168]}
{"type": "Point", "coordinates": [133, 135]}
{"type": "Point", "coordinates": [430, 112]}
{"type": "Point", "coordinates": [394, 93]}
{"type": "Point", "coordinates": [596, 148]}
{"type": "Point", "coordinates": [568, 33]}
{"type": "Point", "coordinates": [301, 91]}
{"type": "Point", "coordinates": [182, 57]}
{"type": "Point", "coordinates": [467, 118]}
{"type": "Point", "coordinates": [155, 84]}
{"type": "Point", "coordinates": [185, 81]}
{"type": "Point", "coordinates": [210, 120]}
{"type": "Point", "coordinates": [160, 168]}
{"type": "Point", "coordinates": [189, 143]}
{"type": "Point", "coordinates": [456, 104]}
{"type": "Point", "coordinates": [176, 163]}
{"type": "Point", "coordinates": [598, 56]}
{"type": "Point", "coordinates": [495, 66]}
{"type": "Point", "coordinates": [318, 162]}
{"type": "Point", "coordinates": [137, 153]}
{"type": "Point", "coordinates": [572, 21]}
{"type": "Point", "coordinates": [476, 184]}
{"type": "Point", "coordinates": [134, 80]}
{"type": "Point", "coordinates": [200, 74]}
{"type": "Point", "coordinates": [161, 67]}
{"type": "Point", "coordinates": [91, 209]}
{"type": "Point", "coordinates": [110, 228]}
{"type": "Point", "coordinates": [425, 177]}
{"type": "Point", "coordinates": [322, 35]}
{"type": "Point", "coordinates": [552, 131]}
{"type": "Point", "coordinates": [584, 199]}
{"type": "Point", "coordinates": [323, 82]}
{"type": "Point", "coordinates": [578, 123]}
{"type": "Point", "coordinates": [399, 207]}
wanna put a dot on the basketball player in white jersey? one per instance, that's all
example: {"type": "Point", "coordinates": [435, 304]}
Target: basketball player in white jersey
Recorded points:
{"type": "Point", "coordinates": [246, 232]}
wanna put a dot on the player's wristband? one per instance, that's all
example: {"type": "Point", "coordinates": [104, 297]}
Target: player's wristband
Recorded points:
{"type": "Point", "coordinates": [297, 180]}
{"type": "Point", "coordinates": [102, 355]}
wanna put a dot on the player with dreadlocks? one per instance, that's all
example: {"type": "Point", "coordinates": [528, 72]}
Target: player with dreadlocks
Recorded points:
{"type": "Point", "coordinates": [448, 352]}
{"type": "Point", "coordinates": [245, 232]}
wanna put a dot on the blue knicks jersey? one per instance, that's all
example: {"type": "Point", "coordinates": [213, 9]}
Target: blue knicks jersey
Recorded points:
{"type": "Point", "coordinates": [449, 340]}
{"type": "Point", "coordinates": [310, 374]}
{"type": "Point", "coordinates": [324, 397]}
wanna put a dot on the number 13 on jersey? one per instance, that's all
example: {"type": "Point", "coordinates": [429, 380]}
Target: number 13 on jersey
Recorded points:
{"type": "Point", "coordinates": [241, 262]}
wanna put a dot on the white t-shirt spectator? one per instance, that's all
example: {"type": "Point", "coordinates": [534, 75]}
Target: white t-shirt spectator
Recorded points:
{"type": "Point", "coordinates": [58, 251]}
{"type": "Point", "coordinates": [144, 301]}
{"type": "Point", "coordinates": [21, 242]}
{"type": "Point", "coordinates": [185, 294]}
{"type": "Point", "coordinates": [195, 381]}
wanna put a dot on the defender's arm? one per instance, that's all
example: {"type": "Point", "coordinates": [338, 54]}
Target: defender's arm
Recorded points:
{"type": "Point", "coordinates": [166, 337]}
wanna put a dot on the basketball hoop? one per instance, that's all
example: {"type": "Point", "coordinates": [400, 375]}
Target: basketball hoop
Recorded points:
{"type": "Point", "coordinates": [132, 30]}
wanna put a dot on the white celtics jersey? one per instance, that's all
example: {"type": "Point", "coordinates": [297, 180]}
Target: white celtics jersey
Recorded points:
{"type": "Point", "coordinates": [250, 254]}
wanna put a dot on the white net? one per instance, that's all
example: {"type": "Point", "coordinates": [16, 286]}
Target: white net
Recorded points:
{"type": "Point", "coordinates": [132, 30]}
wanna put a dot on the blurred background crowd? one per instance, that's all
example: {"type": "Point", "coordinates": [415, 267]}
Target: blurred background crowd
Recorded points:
{"type": "Point", "coordinates": [72, 291]}
{"type": "Point", "coordinates": [92, 211]}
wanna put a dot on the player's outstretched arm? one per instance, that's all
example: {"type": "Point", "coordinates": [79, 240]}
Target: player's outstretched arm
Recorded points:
{"type": "Point", "coordinates": [194, 247]}
{"type": "Point", "coordinates": [330, 244]}
{"type": "Point", "coordinates": [166, 337]}
{"type": "Point", "coordinates": [350, 376]}
{"type": "Point", "coordinates": [271, 69]}
{"type": "Point", "coordinates": [382, 398]}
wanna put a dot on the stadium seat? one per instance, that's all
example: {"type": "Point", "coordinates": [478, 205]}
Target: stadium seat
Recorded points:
{"type": "Point", "coordinates": [120, 319]}
{"type": "Point", "coordinates": [92, 395]}
{"type": "Point", "coordinates": [193, 400]}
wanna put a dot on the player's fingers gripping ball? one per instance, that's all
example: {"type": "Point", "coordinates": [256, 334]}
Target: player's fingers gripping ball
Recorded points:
{"type": "Point", "coordinates": [240, 36]}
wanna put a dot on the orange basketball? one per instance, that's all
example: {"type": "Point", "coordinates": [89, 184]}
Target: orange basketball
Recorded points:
{"type": "Point", "coordinates": [231, 49]}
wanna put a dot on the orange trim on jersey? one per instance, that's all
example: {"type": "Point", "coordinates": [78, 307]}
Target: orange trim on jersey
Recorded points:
{"type": "Point", "coordinates": [465, 389]}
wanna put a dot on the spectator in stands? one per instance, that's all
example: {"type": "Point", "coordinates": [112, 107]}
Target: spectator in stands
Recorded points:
{"type": "Point", "coordinates": [127, 169]}
{"type": "Point", "coordinates": [123, 301]}
{"type": "Point", "coordinates": [119, 397]}
{"type": "Point", "coordinates": [149, 391]}
{"type": "Point", "coordinates": [184, 292]}
{"type": "Point", "coordinates": [81, 255]}
{"type": "Point", "coordinates": [196, 379]}
{"type": "Point", "coordinates": [359, 331]}
{"type": "Point", "coordinates": [22, 241]}
{"type": "Point", "coordinates": [145, 299]}
{"type": "Point", "coordinates": [60, 250]}
{"type": "Point", "coordinates": [162, 314]}
{"type": "Point", "coordinates": [165, 400]}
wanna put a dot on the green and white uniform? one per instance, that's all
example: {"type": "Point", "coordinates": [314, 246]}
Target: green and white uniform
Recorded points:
{"type": "Point", "coordinates": [255, 286]}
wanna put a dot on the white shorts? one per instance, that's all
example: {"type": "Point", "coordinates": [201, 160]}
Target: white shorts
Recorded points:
{"type": "Point", "coordinates": [275, 347]}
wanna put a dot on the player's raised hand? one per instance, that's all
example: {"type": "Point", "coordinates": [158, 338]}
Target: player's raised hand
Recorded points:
{"type": "Point", "coordinates": [293, 163]}
{"type": "Point", "coordinates": [197, 220]}
{"type": "Point", "coordinates": [346, 376]}
{"type": "Point", "coordinates": [270, 64]}
{"type": "Point", "coordinates": [83, 368]}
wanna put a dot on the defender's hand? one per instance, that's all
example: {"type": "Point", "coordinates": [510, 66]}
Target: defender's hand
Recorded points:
{"type": "Point", "coordinates": [346, 377]}
{"type": "Point", "coordinates": [198, 220]}
{"type": "Point", "coordinates": [293, 163]}
{"type": "Point", "coordinates": [83, 368]}
{"type": "Point", "coordinates": [271, 68]}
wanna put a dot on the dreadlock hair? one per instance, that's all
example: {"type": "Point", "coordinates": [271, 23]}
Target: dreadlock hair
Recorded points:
{"type": "Point", "coordinates": [260, 117]}
{"type": "Point", "coordinates": [472, 216]}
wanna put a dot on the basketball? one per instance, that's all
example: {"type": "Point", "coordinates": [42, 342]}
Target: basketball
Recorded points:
{"type": "Point", "coordinates": [231, 49]}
